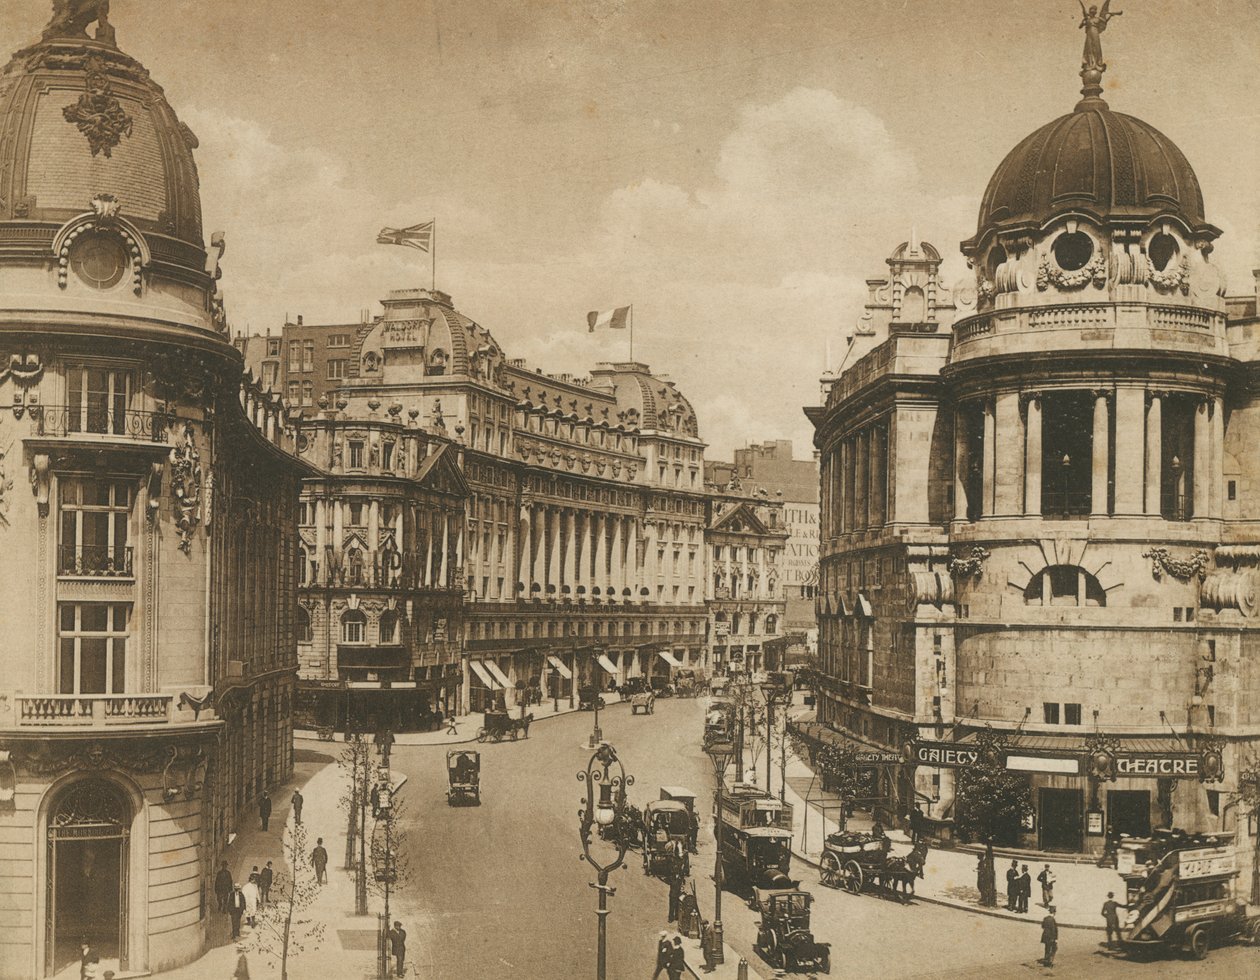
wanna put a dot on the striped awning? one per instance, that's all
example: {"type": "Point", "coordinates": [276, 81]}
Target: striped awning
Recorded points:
{"type": "Point", "coordinates": [608, 665]}
{"type": "Point", "coordinates": [483, 675]}
{"type": "Point", "coordinates": [498, 674]}
{"type": "Point", "coordinates": [669, 658]}
{"type": "Point", "coordinates": [559, 666]}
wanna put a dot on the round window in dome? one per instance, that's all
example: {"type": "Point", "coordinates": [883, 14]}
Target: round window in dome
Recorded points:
{"type": "Point", "coordinates": [1073, 250]}
{"type": "Point", "coordinates": [1162, 250]}
{"type": "Point", "coordinates": [99, 260]}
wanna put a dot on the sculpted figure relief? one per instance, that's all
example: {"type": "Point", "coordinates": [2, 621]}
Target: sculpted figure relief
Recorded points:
{"type": "Point", "coordinates": [1094, 22]}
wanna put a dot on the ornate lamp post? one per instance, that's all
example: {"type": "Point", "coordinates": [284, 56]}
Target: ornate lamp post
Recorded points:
{"type": "Point", "coordinates": [720, 754]}
{"type": "Point", "coordinates": [600, 772]}
{"type": "Point", "coordinates": [773, 694]}
{"type": "Point", "coordinates": [597, 736]}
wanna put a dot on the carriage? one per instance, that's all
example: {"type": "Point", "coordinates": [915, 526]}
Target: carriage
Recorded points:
{"type": "Point", "coordinates": [588, 697]}
{"type": "Point", "coordinates": [500, 725]}
{"type": "Point", "coordinates": [463, 773]}
{"type": "Point", "coordinates": [687, 683]}
{"type": "Point", "coordinates": [661, 685]}
{"type": "Point", "coordinates": [717, 722]}
{"type": "Point", "coordinates": [756, 840]}
{"type": "Point", "coordinates": [687, 798]}
{"type": "Point", "coordinates": [784, 939]}
{"type": "Point", "coordinates": [631, 687]}
{"type": "Point", "coordinates": [644, 702]}
{"type": "Point", "coordinates": [667, 829]}
{"type": "Point", "coordinates": [857, 862]}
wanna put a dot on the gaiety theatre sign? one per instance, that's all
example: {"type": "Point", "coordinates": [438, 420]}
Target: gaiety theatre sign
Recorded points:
{"type": "Point", "coordinates": [1204, 765]}
{"type": "Point", "coordinates": [1172, 764]}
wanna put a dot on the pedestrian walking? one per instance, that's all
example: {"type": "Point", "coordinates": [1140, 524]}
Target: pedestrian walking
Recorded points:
{"type": "Point", "coordinates": [264, 809]}
{"type": "Point", "coordinates": [1049, 936]}
{"type": "Point", "coordinates": [375, 797]}
{"type": "Point", "coordinates": [706, 946]}
{"type": "Point", "coordinates": [398, 947]}
{"type": "Point", "coordinates": [297, 807]}
{"type": "Point", "coordinates": [250, 894]}
{"type": "Point", "coordinates": [675, 893]}
{"type": "Point", "coordinates": [319, 860]}
{"type": "Point", "coordinates": [450, 726]}
{"type": "Point", "coordinates": [1047, 880]}
{"type": "Point", "coordinates": [223, 887]}
{"type": "Point", "coordinates": [264, 885]}
{"type": "Point", "coordinates": [1025, 889]}
{"type": "Point", "coordinates": [1111, 915]}
{"type": "Point", "coordinates": [676, 965]}
{"type": "Point", "coordinates": [89, 961]}
{"type": "Point", "coordinates": [236, 909]}
{"type": "Point", "coordinates": [662, 954]}
{"type": "Point", "coordinates": [1012, 886]}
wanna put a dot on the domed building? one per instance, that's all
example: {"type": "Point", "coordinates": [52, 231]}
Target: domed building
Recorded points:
{"type": "Point", "coordinates": [1038, 525]}
{"type": "Point", "coordinates": [148, 496]}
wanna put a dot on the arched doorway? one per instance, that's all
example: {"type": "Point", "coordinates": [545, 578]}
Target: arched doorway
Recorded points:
{"type": "Point", "coordinates": [88, 829]}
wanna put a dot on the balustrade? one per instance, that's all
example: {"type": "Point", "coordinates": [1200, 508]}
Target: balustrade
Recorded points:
{"type": "Point", "coordinates": [92, 710]}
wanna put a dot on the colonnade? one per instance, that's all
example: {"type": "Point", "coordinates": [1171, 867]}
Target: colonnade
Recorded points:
{"type": "Point", "coordinates": [570, 551]}
{"type": "Point", "coordinates": [855, 481]}
{"type": "Point", "coordinates": [437, 539]}
{"type": "Point", "coordinates": [1126, 480]}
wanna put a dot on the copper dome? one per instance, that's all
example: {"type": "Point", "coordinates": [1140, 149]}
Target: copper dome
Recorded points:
{"type": "Point", "coordinates": [1096, 161]}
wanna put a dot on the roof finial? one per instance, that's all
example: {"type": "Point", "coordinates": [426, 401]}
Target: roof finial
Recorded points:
{"type": "Point", "coordinates": [1094, 22]}
{"type": "Point", "coordinates": [914, 239]}
{"type": "Point", "coordinates": [71, 18]}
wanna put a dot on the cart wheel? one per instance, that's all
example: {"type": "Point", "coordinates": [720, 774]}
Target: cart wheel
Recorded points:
{"type": "Point", "coordinates": [853, 879]}
{"type": "Point", "coordinates": [481, 734]}
{"type": "Point", "coordinates": [1198, 944]}
{"type": "Point", "coordinates": [830, 872]}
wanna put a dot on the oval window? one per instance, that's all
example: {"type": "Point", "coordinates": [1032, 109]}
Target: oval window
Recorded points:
{"type": "Point", "coordinates": [1073, 250]}
{"type": "Point", "coordinates": [1162, 250]}
{"type": "Point", "coordinates": [99, 260]}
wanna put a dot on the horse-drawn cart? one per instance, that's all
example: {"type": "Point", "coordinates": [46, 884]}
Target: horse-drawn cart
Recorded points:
{"type": "Point", "coordinates": [645, 702]}
{"type": "Point", "coordinates": [856, 862]}
{"type": "Point", "coordinates": [588, 697]}
{"type": "Point", "coordinates": [784, 939]}
{"type": "Point", "coordinates": [463, 772]}
{"type": "Point", "coordinates": [500, 725]}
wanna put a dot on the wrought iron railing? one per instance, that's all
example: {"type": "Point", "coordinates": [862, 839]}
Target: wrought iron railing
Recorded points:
{"type": "Point", "coordinates": [57, 421]}
{"type": "Point", "coordinates": [1058, 504]}
{"type": "Point", "coordinates": [1176, 506]}
{"type": "Point", "coordinates": [95, 561]}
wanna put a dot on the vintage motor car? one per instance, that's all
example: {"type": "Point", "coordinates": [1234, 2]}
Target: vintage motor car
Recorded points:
{"type": "Point", "coordinates": [667, 828]}
{"type": "Point", "coordinates": [784, 939]}
{"type": "Point", "coordinates": [463, 773]}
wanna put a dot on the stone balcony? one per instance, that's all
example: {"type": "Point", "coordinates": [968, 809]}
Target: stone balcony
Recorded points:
{"type": "Point", "coordinates": [100, 711]}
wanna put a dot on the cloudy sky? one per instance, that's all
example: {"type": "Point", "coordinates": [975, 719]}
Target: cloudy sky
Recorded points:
{"type": "Point", "coordinates": [735, 169]}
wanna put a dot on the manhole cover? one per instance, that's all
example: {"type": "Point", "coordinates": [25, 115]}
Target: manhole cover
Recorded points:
{"type": "Point", "coordinates": [357, 938]}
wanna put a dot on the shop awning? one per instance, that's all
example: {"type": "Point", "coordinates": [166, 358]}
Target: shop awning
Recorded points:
{"type": "Point", "coordinates": [669, 658]}
{"type": "Point", "coordinates": [864, 606]}
{"type": "Point", "coordinates": [483, 675]}
{"type": "Point", "coordinates": [559, 665]}
{"type": "Point", "coordinates": [608, 665]}
{"type": "Point", "coordinates": [498, 674]}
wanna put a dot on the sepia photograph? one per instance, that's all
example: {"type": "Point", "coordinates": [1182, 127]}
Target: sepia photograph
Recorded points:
{"type": "Point", "coordinates": [629, 489]}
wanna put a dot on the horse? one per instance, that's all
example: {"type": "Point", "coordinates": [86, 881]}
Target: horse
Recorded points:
{"type": "Point", "coordinates": [903, 870]}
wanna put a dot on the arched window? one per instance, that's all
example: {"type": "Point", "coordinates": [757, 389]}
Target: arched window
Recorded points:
{"type": "Point", "coordinates": [354, 566]}
{"type": "Point", "coordinates": [303, 626]}
{"type": "Point", "coordinates": [353, 627]}
{"type": "Point", "coordinates": [772, 624]}
{"type": "Point", "coordinates": [389, 628]}
{"type": "Point", "coordinates": [913, 306]}
{"type": "Point", "coordinates": [437, 362]}
{"type": "Point", "coordinates": [1064, 585]}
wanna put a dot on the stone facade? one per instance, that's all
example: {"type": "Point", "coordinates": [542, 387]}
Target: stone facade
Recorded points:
{"type": "Point", "coordinates": [148, 505]}
{"type": "Point", "coordinates": [1038, 521]}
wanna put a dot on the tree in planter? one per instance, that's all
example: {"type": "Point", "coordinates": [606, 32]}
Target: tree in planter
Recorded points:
{"type": "Point", "coordinates": [390, 865]}
{"type": "Point", "coordinates": [285, 928]}
{"type": "Point", "coordinates": [356, 766]}
{"type": "Point", "coordinates": [988, 800]}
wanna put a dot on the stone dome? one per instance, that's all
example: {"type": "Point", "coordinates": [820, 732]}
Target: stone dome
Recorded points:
{"type": "Point", "coordinates": [80, 119]}
{"type": "Point", "coordinates": [1092, 160]}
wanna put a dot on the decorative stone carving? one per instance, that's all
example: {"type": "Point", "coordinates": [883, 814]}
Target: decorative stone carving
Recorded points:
{"type": "Point", "coordinates": [103, 216]}
{"type": "Point", "coordinates": [41, 473]}
{"type": "Point", "coordinates": [186, 481]}
{"type": "Point", "coordinates": [98, 114]}
{"type": "Point", "coordinates": [1049, 274]}
{"type": "Point", "coordinates": [968, 564]}
{"type": "Point", "coordinates": [1162, 561]}
{"type": "Point", "coordinates": [1176, 276]}
{"type": "Point", "coordinates": [50, 758]}
{"type": "Point", "coordinates": [155, 489]}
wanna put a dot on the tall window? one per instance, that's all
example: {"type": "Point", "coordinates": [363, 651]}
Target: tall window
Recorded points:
{"type": "Point", "coordinates": [354, 566]}
{"type": "Point", "coordinates": [337, 369]}
{"type": "Point", "coordinates": [308, 356]}
{"type": "Point", "coordinates": [295, 393]}
{"type": "Point", "coordinates": [93, 639]}
{"type": "Point", "coordinates": [353, 627]}
{"type": "Point", "coordinates": [389, 628]}
{"type": "Point", "coordinates": [273, 348]}
{"type": "Point", "coordinates": [98, 399]}
{"type": "Point", "coordinates": [308, 393]}
{"type": "Point", "coordinates": [304, 567]}
{"type": "Point", "coordinates": [95, 518]}
{"type": "Point", "coordinates": [356, 454]}
{"type": "Point", "coordinates": [295, 355]}
{"type": "Point", "coordinates": [387, 455]}
{"type": "Point", "coordinates": [303, 626]}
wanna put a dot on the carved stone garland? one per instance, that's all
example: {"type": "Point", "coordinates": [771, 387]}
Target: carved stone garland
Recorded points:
{"type": "Point", "coordinates": [104, 216]}
{"type": "Point", "coordinates": [186, 481]}
{"type": "Point", "coordinates": [969, 564]}
{"type": "Point", "coordinates": [1051, 275]}
{"type": "Point", "coordinates": [1175, 276]}
{"type": "Point", "coordinates": [1162, 561]}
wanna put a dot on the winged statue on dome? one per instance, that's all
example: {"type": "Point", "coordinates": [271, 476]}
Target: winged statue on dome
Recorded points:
{"type": "Point", "coordinates": [1094, 21]}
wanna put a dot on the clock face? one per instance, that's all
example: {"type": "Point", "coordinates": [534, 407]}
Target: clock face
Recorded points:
{"type": "Point", "coordinates": [99, 260]}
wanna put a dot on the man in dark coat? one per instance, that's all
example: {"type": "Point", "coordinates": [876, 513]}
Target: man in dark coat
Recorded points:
{"type": "Point", "coordinates": [676, 965]}
{"type": "Point", "coordinates": [1049, 936]}
{"type": "Point", "coordinates": [223, 887]}
{"type": "Point", "coordinates": [1111, 915]}
{"type": "Point", "coordinates": [675, 894]}
{"type": "Point", "coordinates": [1025, 889]}
{"type": "Point", "coordinates": [662, 954]}
{"type": "Point", "coordinates": [297, 807]}
{"type": "Point", "coordinates": [264, 885]}
{"type": "Point", "coordinates": [319, 860]}
{"type": "Point", "coordinates": [1012, 886]}
{"type": "Point", "coordinates": [398, 946]}
{"type": "Point", "coordinates": [236, 909]}
{"type": "Point", "coordinates": [375, 799]}
{"type": "Point", "coordinates": [264, 809]}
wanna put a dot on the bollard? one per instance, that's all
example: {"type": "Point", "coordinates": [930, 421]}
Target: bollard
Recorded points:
{"type": "Point", "coordinates": [741, 972]}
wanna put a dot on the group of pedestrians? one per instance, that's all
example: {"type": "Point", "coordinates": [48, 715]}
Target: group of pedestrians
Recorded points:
{"type": "Point", "coordinates": [670, 957]}
{"type": "Point", "coordinates": [1019, 887]}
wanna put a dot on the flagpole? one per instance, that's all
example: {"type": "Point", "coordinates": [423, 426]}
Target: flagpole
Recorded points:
{"type": "Point", "coordinates": [433, 259]}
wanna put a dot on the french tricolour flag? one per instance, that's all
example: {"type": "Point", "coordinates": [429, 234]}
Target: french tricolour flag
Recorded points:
{"type": "Point", "coordinates": [608, 319]}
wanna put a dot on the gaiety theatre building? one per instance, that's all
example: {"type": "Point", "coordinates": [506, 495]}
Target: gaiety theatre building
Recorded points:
{"type": "Point", "coordinates": [1039, 500]}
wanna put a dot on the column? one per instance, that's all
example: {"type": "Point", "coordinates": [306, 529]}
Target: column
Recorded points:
{"type": "Point", "coordinates": [1202, 457]}
{"type": "Point", "coordinates": [861, 482]}
{"type": "Point", "coordinates": [555, 558]}
{"type": "Point", "coordinates": [524, 563]}
{"type": "Point", "coordinates": [321, 541]}
{"type": "Point", "coordinates": [584, 553]}
{"type": "Point", "coordinates": [988, 459]}
{"type": "Point", "coordinates": [618, 558]}
{"type": "Point", "coordinates": [1009, 448]}
{"type": "Point", "coordinates": [458, 518]}
{"type": "Point", "coordinates": [1218, 457]}
{"type": "Point", "coordinates": [601, 553]}
{"type": "Point", "coordinates": [848, 476]}
{"type": "Point", "coordinates": [446, 550]}
{"type": "Point", "coordinates": [571, 556]}
{"type": "Point", "coordinates": [649, 559]}
{"type": "Point", "coordinates": [540, 551]}
{"type": "Point", "coordinates": [374, 534]}
{"type": "Point", "coordinates": [1154, 453]}
{"type": "Point", "coordinates": [1032, 454]}
{"type": "Point", "coordinates": [1130, 449]}
{"type": "Point", "coordinates": [960, 464]}
{"type": "Point", "coordinates": [428, 548]}
{"type": "Point", "coordinates": [1102, 456]}
{"type": "Point", "coordinates": [877, 477]}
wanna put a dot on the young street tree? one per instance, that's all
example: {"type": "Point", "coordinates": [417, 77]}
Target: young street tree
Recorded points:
{"type": "Point", "coordinates": [989, 801]}
{"type": "Point", "coordinates": [285, 927]}
{"type": "Point", "coordinates": [356, 766]}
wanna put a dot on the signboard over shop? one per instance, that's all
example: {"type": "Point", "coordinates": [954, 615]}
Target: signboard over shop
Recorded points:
{"type": "Point", "coordinates": [1128, 765]}
{"type": "Point", "coordinates": [1171, 764]}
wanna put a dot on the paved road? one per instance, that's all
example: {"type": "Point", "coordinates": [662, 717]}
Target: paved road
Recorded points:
{"type": "Point", "coordinates": [503, 892]}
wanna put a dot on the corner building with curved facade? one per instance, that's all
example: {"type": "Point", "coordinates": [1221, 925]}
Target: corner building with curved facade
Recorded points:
{"type": "Point", "coordinates": [1042, 521]}
{"type": "Point", "coordinates": [148, 520]}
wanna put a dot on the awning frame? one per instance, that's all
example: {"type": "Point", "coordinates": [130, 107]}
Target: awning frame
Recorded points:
{"type": "Point", "coordinates": [498, 674]}
{"type": "Point", "coordinates": [483, 675]}
{"type": "Point", "coordinates": [560, 666]}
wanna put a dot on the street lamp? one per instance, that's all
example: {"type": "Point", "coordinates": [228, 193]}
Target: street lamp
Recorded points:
{"type": "Point", "coordinates": [720, 755]}
{"type": "Point", "coordinates": [599, 772]}
{"type": "Point", "coordinates": [597, 736]}
{"type": "Point", "coordinates": [771, 692]}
